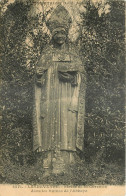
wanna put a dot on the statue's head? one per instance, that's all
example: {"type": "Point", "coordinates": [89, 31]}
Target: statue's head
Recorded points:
{"type": "Point", "coordinates": [59, 35]}
{"type": "Point", "coordinates": [59, 24]}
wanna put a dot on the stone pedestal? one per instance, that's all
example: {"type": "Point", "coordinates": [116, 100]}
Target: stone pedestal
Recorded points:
{"type": "Point", "coordinates": [58, 162]}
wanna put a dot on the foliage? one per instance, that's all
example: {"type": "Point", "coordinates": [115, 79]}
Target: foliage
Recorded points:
{"type": "Point", "coordinates": [18, 75]}
{"type": "Point", "coordinates": [82, 173]}
{"type": "Point", "coordinates": [102, 43]}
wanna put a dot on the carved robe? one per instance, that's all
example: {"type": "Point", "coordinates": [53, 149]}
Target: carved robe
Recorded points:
{"type": "Point", "coordinates": [59, 102]}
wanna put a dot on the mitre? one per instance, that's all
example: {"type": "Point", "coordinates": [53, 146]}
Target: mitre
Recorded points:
{"type": "Point", "coordinates": [60, 18]}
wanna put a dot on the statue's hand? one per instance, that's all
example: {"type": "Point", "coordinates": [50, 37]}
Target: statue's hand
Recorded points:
{"type": "Point", "coordinates": [39, 71]}
{"type": "Point", "coordinates": [69, 76]}
{"type": "Point", "coordinates": [39, 75]}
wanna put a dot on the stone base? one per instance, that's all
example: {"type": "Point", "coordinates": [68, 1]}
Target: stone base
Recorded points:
{"type": "Point", "coordinates": [58, 162]}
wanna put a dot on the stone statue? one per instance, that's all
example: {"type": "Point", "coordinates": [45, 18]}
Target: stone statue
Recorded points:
{"type": "Point", "coordinates": [59, 98]}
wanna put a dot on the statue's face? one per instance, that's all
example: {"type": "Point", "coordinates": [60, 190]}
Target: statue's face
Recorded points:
{"type": "Point", "coordinates": [59, 37]}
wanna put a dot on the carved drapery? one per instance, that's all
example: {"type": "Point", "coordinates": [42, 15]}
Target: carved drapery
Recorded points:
{"type": "Point", "coordinates": [59, 102]}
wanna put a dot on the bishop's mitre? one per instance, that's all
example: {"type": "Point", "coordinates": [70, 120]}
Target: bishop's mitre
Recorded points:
{"type": "Point", "coordinates": [60, 18]}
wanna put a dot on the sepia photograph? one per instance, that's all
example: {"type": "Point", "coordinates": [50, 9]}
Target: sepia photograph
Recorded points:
{"type": "Point", "coordinates": [62, 92]}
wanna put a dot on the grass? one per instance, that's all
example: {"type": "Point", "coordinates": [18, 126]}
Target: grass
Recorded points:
{"type": "Point", "coordinates": [81, 173]}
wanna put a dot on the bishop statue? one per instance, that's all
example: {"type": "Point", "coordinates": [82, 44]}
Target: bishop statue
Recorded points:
{"type": "Point", "coordinates": [59, 108]}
